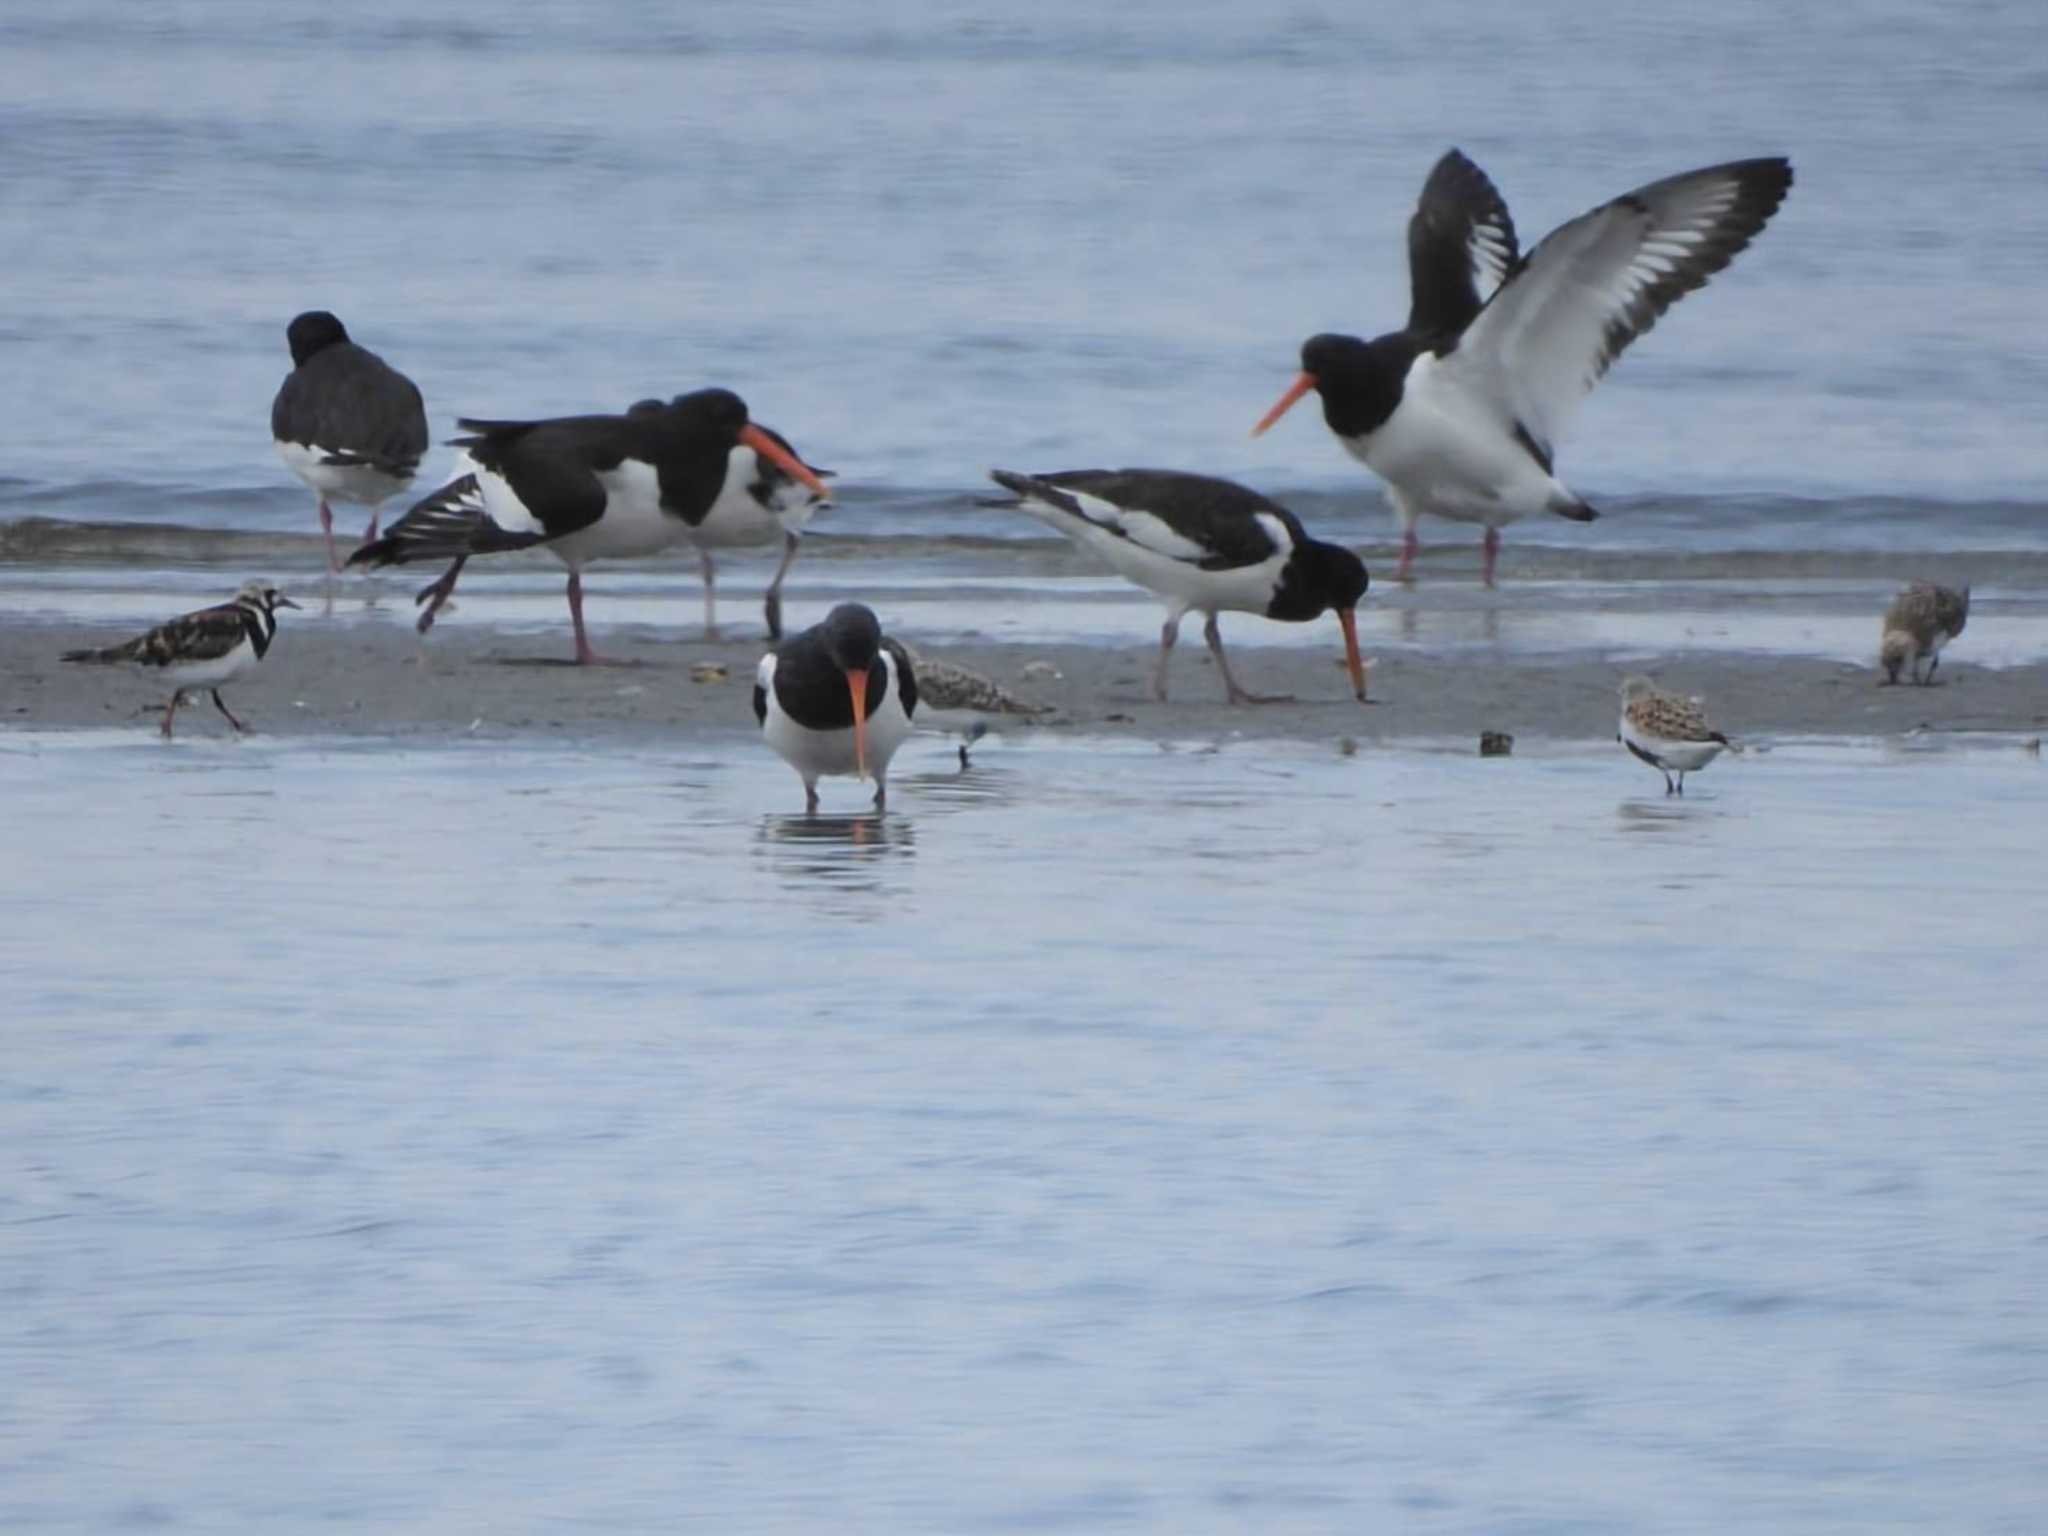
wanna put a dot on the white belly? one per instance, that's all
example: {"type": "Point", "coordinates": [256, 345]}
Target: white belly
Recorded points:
{"type": "Point", "coordinates": [633, 523]}
{"type": "Point", "coordinates": [829, 754]}
{"type": "Point", "coordinates": [1678, 756]}
{"type": "Point", "coordinates": [363, 484]}
{"type": "Point", "coordinates": [1451, 457]}
{"type": "Point", "coordinates": [208, 674]}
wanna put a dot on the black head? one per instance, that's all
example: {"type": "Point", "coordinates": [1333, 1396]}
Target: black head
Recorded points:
{"type": "Point", "coordinates": [774, 488]}
{"type": "Point", "coordinates": [1319, 577]}
{"type": "Point", "coordinates": [1330, 356]}
{"type": "Point", "coordinates": [311, 332]}
{"type": "Point", "coordinates": [852, 636]}
{"type": "Point", "coordinates": [716, 411]}
{"type": "Point", "coordinates": [1349, 376]}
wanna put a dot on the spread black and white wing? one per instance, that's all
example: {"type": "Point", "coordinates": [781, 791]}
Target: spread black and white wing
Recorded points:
{"type": "Point", "coordinates": [1461, 247]}
{"type": "Point", "coordinates": [1595, 284]}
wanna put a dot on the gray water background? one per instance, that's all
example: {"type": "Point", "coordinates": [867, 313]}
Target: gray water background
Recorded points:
{"type": "Point", "coordinates": [507, 1135]}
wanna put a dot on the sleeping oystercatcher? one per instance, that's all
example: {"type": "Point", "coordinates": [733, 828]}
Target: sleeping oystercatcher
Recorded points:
{"type": "Point", "coordinates": [1460, 410]}
{"type": "Point", "coordinates": [1201, 543]}
{"type": "Point", "coordinates": [837, 699]}
{"type": "Point", "coordinates": [203, 649]}
{"type": "Point", "coordinates": [1920, 621]}
{"type": "Point", "coordinates": [586, 487]}
{"type": "Point", "coordinates": [1669, 733]}
{"type": "Point", "coordinates": [346, 422]}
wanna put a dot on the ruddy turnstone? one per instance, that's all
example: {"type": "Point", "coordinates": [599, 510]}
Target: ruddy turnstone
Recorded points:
{"type": "Point", "coordinates": [1460, 410]}
{"type": "Point", "coordinates": [837, 699]}
{"type": "Point", "coordinates": [1205, 544]}
{"type": "Point", "coordinates": [1920, 621]}
{"type": "Point", "coordinates": [1669, 733]}
{"type": "Point", "coordinates": [584, 487]}
{"type": "Point", "coordinates": [346, 422]}
{"type": "Point", "coordinates": [202, 649]}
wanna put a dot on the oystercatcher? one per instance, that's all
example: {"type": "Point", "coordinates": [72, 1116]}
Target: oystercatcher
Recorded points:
{"type": "Point", "coordinates": [1459, 411]}
{"type": "Point", "coordinates": [346, 422]}
{"type": "Point", "coordinates": [1920, 621]}
{"type": "Point", "coordinates": [759, 501]}
{"type": "Point", "coordinates": [586, 487]}
{"type": "Point", "coordinates": [202, 649]}
{"type": "Point", "coordinates": [1201, 543]}
{"type": "Point", "coordinates": [1669, 733]}
{"type": "Point", "coordinates": [837, 699]}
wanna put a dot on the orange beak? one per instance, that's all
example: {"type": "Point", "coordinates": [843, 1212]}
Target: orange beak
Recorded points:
{"type": "Point", "coordinates": [1349, 619]}
{"type": "Point", "coordinates": [782, 459]}
{"type": "Point", "coordinates": [858, 682]}
{"type": "Point", "coordinates": [1302, 384]}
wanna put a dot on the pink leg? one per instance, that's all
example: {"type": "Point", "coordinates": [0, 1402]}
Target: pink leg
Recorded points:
{"type": "Point", "coordinates": [370, 532]}
{"type": "Point", "coordinates": [1492, 554]}
{"type": "Point", "coordinates": [439, 591]}
{"type": "Point", "coordinates": [1409, 544]}
{"type": "Point", "coordinates": [585, 656]}
{"type": "Point", "coordinates": [327, 528]}
{"type": "Point", "coordinates": [170, 709]}
{"type": "Point", "coordinates": [221, 704]}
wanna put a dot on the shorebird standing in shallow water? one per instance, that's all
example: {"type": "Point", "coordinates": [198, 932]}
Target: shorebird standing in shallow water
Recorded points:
{"type": "Point", "coordinates": [1669, 733]}
{"type": "Point", "coordinates": [585, 487]}
{"type": "Point", "coordinates": [955, 698]}
{"type": "Point", "coordinates": [1196, 542]}
{"type": "Point", "coordinates": [202, 649]}
{"type": "Point", "coordinates": [837, 699]}
{"type": "Point", "coordinates": [1460, 410]}
{"type": "Point", "coordinates": [1920, 621]}
{"type": "Point", "coordinates": [346, 422]}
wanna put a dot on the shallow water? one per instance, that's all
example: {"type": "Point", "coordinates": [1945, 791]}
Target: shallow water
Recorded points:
{"type": "Point", "coordinates": [937, 237]}
{"type": "Point", "coordinates": [1189, 1138]}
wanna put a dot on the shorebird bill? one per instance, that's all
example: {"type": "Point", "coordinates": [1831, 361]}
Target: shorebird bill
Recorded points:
{"type": "Point", "coordinates": [1302, 384]}
{"type": "Point", "coordinates": [285, 602]}
{"type": "Point", "coordinates": [1348, 617]}
{"type": "Point", "coordinates": [857, 680]}
{"type": "Point", "coordinates": [782, 458]}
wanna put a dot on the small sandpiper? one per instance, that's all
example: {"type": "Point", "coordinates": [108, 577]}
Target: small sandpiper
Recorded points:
{"type": "Point", "coordinates": [955, 698]}
{"type": "Point", "coordinates": [1669, 733]}
{"type": "Point", "coordinates": [202, 649]}
{"type": "Point", "coordinates": [1920, 621]}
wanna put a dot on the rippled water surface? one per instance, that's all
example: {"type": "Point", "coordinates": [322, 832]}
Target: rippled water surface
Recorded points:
{"type": "Point", "coordinates": [513, 1133]}
{"type": "Point", "coordinates": [1207, 1137]}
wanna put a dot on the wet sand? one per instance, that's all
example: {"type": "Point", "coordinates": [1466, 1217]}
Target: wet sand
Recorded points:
{"type": "Point", "coordinates": [360, 675]}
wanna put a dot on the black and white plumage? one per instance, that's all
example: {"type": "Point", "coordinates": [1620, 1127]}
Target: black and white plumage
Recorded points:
{"type": "Point", "coordinates": [759, 502]}
{"type": "Point", "coordinates": [1669, 733]}
{"type": "Point", "coordinates": [1200, 543]}
{"type": "Point", "coordinates": [837, 699]}
{"type": "Point", "coordinates": [585, 487]}
{"type": "Point", "coordinates": [203, 649]}
{"type": "Point", "coordinates": [1922, 619]}
{"type": "Point", "coordinates": [1460, 411]}
{"type": "Point", "coordinates": [346, 422]}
